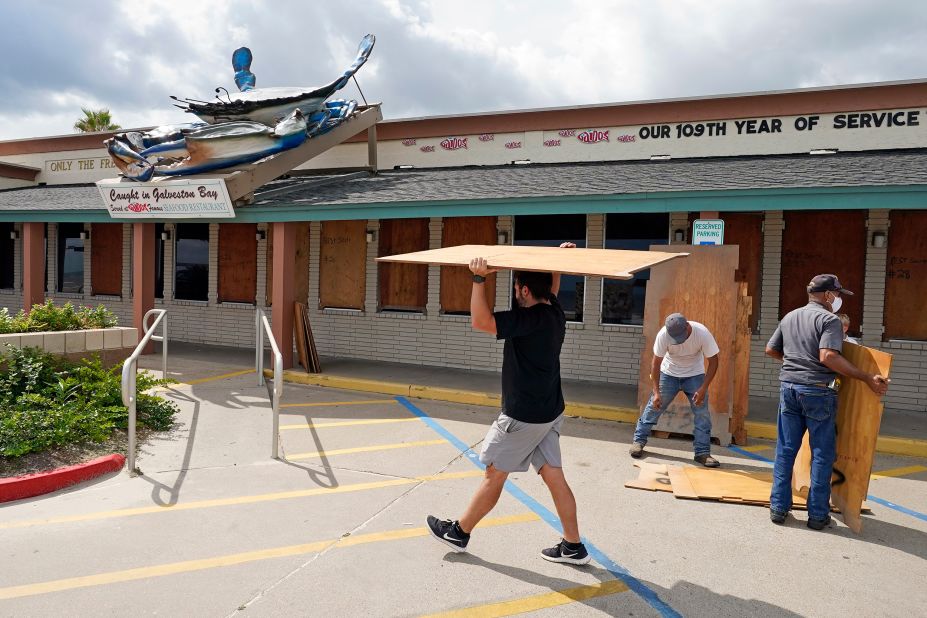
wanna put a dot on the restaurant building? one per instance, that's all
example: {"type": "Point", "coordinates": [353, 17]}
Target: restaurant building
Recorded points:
{"type": "Point", "coordinates": [806, 181]}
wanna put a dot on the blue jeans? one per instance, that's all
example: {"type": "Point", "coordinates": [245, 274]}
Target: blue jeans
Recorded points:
{"type": "Point", "coordinates": [669, 388]}
{"type": "Point", "coordinates": [813, 408]}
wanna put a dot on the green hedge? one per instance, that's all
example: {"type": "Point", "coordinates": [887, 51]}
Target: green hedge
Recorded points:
{"type": "Point", "coordinates": [49, 317]}
{"type": "Point", "coordinates": [46, 401]}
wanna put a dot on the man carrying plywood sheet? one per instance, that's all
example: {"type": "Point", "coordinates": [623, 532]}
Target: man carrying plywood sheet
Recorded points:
{"type": "Point", "coordinates": [808, 341]}
{"type": "Point", "coordinates": [527, 431]}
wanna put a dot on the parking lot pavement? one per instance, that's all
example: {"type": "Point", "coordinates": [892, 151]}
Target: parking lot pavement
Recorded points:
{"type": "Point", "coordinates": [215, 527]}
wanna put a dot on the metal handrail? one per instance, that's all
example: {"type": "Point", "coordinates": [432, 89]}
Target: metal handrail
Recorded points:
{"type": "Point", "coordinates": [262, 325]}
{"type": "Point", "coordinates": [130, 371]}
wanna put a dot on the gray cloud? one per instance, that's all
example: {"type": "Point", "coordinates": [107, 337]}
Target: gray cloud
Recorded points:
{"type": "Point", "coordinates": [58, 56]}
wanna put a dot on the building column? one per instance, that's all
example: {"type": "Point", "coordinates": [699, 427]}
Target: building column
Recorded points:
{"type": "Point", "coordinates": [874, 286]}
{"type": "Point", "coordinates": [678, 221]}
{"type": "Point", "coordinates": [33, 265]}
{"type": "Point", "coordinates": [143, 276]}
{"type": "Point", "coordinates": [284, 271]}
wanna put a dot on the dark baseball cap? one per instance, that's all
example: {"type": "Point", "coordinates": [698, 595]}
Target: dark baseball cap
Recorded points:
{"type": "Point", "coordinates": [827, 283]}
{"type": "Point", "coordinates": [676, 327]}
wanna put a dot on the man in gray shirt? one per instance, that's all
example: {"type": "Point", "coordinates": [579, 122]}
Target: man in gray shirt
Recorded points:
{"type": "Point", "coordinates": [808, 341]}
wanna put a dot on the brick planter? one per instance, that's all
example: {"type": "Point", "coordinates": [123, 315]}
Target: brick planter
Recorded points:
{"type": "Point", "coordinates": [113, 345]}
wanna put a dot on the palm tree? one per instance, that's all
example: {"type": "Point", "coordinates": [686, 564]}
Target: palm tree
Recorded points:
{"type": "Point", "coordinates": [95, 120]}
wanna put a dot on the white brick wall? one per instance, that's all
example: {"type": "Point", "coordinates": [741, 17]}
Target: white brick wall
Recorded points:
{"type": "Point", "coordinates": [592, 351]}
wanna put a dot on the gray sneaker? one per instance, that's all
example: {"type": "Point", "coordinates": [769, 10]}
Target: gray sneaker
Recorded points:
{"type": "Point", "coordinates": [707, 460]}
{"type": "Point", "coordinates": [637, 450]}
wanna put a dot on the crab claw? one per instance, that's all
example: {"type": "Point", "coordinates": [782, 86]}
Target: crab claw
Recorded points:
{"type": "Point", "coordinates": [130, 163]}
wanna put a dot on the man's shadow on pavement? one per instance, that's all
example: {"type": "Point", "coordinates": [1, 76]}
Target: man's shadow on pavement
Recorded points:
{"type": "Point", "coordinates": [687, 598]}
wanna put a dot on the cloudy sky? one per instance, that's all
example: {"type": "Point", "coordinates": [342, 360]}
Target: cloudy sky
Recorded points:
{"type": "Point", "coordinates": [441, 56]}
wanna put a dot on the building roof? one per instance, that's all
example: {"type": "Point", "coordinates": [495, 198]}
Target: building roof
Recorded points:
{"type": "Point", "coordinates": [877, 169]}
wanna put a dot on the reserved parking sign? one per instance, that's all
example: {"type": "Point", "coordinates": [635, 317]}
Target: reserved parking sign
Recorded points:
{"type": "Point", "coordinates": [708, 232]}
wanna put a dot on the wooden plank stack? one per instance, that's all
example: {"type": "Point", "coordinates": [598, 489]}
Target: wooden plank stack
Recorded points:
{"type": "Point", "coordinates": [305, 342]}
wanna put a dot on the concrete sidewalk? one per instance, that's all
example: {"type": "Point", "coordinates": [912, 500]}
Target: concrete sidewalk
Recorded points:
{"type": "Point", "coordinates": [901, 433]}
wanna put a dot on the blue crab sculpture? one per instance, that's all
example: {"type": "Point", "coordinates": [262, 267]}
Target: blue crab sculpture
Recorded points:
{"type": "Point", "coordinates": [250, 125]}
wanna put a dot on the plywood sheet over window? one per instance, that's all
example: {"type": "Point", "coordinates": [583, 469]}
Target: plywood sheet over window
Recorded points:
{"type": "Point", "coordinates": [906, 276]}
{"type": "Point", "coordinates": [343, 264]}
{"type": "Point", "coordinates": [456, 282]}
{"type": "Point", "coordinates": [106, 258]}
{"type": "Point", "coordinates": [237, 262]}
{"type": "Point", "coordinates": [745, 229]}
{"type": "Point", "coordinates": [823, 241]}
{"type": "Point", "coordinates": [403, 287]}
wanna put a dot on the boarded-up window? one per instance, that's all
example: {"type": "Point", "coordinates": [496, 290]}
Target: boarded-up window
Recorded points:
{"type": "Point", "coordinates": [237, 262]}
{"type": "Point", "coordinates": [343, 264]}
{"type": "Point", "coordinates": [403, 287]}
{"type": "Point", "coordinates": [906, 276]}
{"type": "Point", "coordinates": [106, 258]}
{"type": "Point", "coordinates": [828, 241]}
{"type": "Point", "coordinates": [456, 281]}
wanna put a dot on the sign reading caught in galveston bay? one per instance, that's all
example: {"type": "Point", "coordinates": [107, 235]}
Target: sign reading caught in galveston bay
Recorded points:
{"type": "Point", "coordinates": [176, 199]}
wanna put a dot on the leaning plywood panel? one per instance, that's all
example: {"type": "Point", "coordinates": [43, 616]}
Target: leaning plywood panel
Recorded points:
{"type": "Point", "coordinates": [703, 287]}
{"type": "Point", "coordinates": [611, 263]}
{"type": "Point", "coordinates": [859, 414]}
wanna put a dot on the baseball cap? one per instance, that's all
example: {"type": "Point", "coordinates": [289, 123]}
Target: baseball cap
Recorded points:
{"type": "Point", "coordinates": [676, 327]}
{"type": "Point", "coordinates": [827, 283]}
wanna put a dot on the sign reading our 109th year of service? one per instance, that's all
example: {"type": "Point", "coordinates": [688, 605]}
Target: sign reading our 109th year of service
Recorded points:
{"type": "Point", "coordinates": [176, 199]}
{"type": "Point", "coordinates": [708, 232]}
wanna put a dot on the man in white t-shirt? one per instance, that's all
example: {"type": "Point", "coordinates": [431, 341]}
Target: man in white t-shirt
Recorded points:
{"type": "Point", "coordinates": [679, 354]}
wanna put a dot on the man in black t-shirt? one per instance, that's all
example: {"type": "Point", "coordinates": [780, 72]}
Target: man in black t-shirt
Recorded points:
{"type": "Point", "coordinates": [527, 431]}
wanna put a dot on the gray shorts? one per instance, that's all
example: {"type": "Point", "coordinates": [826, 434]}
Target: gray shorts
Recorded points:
{"type": "Point", "coordinates": [511, 445]}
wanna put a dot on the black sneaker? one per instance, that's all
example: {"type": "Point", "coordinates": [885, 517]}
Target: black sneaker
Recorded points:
{"type": "Point", "coordinates": [820, 524]}
{"type": "Point", "coordinates": [449, 533]}
{"type": "Point", "coordinates": [566, 552]}
{"type": "Point", "coordinates": [777, 517]}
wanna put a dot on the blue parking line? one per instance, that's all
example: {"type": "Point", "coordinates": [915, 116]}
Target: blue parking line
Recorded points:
{"type": "Point", "coordinates": [544, 513]}
{"type": "Point", "coordinates": [877, 500]}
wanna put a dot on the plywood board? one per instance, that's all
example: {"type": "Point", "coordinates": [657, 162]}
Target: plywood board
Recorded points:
{"type": "Point", "coordinates": [804, 256]}
{"type": "Point", "coordinates": [682, 488]}
{"type": "Point", "coordinates": [106, 258]}
{"type": "Point", "coordinates": [741, 358]}
{"type": "Point", "coordinates": [403, 286]}
{"type": "Point", "coordinates": [237, 262]}
{"type": "Point", "coordinates": [610, 263]}
{"type": "Point", "coordinates": [703, 287]}
{"type": "Point", "coordinates": [652, 477]}
{"type": "Point", "coordinates": [456, 284]}
{"type": "Point", "coordinates": [343, 264]}
{"type": "Point", "coordinates": [906, 276]}
{"type": "Point", "coordinates": [859, 414]}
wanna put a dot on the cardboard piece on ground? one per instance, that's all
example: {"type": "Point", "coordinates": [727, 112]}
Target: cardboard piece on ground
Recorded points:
{"type": "Point", "coordinates": [704, 288]}
{"type": "Point", "coordinates": [653, 477]}
{"type": "Point", "coordinates": [610, 263]}
{"type": "Point", "coordinates": [859, 414]}
{"type": "Point", "coordinates": [682, 488]}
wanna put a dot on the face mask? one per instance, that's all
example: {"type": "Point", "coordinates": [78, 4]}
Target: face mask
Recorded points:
{"type": "Point", "coordinates": [836, 304]}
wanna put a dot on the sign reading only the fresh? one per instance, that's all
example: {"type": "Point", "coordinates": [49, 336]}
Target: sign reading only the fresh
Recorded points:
{"type": "Point", "coordinates": [175, 199]}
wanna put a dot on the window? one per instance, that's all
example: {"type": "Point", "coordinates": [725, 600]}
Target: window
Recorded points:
{"type": "Point", "coordinates": [823, 241]}
{"type": "Point", "coordinates": [7, 256]}
{"type": "Point", "coordinates": [237, 262]}
{"type": "Point", "coordinates": [403, 287]}
{"type": "Point", "coordinates": [623, 301]}
{"type": "Point", "coordinates": [456, 282]}
{"type": "Point", "coordinates": [159, 261]}
{"type": "Point", "coordinates": [343, 264]}
{"type": "Point", "coordinates": [906, 276]}
{"type": "Point", "coordinates": [191, 274]}
{"type": "Point", "coordinates": [70, 258]}
{"type": "Point", "coordinates": [106, 258]}
{"type": "Point", "coordinates": [550, 231]}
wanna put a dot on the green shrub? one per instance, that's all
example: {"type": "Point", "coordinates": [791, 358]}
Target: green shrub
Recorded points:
{"type": "Point", "coordinates": [47, 317]}
{"type": "Point", "coordinates": [46, 401]}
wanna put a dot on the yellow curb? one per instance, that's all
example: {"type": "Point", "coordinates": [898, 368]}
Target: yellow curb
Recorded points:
{"type": "Point", "coordinates": [889, 445]}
